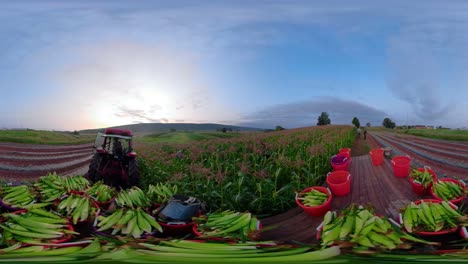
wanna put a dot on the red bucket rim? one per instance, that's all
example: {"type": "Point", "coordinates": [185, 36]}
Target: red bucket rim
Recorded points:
{"type": "Point", "coordinates": [454, 201]}
{"type": "Point", "coordinates": [377, 150]}
{"type": "Point", "coordinates": [397, 159]}
{"type": "Point", "coordinates": [434, 233]}
{"type": "Point", "coordinates": [345, 174]}
{"type": "Point", "coordinates": [343, 159]}
{"type": "Point", "coordinates": [434, 176]}
{"type": "Point", "coordinates": [318, 188]}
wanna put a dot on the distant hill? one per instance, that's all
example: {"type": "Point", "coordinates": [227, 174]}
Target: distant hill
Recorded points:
{"type": "Point", "coordinates": [146, 128]}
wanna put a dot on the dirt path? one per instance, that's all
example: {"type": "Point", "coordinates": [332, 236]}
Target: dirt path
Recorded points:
{"type": "Point", "coordinates": [362, 146]}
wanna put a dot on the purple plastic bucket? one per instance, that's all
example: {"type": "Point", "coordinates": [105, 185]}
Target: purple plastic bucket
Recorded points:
{"type": "Point", "coordinates": [338, 159]}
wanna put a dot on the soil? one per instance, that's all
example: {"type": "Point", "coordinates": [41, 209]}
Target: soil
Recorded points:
{"type": "Point", "coordinates": [29, 161]}
{"type": "Point", "coordinates": [446, 158]}
{"type": "Point", "coordinates": [361, 146]}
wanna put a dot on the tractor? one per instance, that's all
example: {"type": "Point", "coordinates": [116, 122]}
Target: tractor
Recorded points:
{"type": "Point", "coordinates": [114, 161]}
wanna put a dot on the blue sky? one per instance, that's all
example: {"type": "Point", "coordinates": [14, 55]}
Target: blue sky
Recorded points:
{"type": "Point", "coordinates": [85, 64]}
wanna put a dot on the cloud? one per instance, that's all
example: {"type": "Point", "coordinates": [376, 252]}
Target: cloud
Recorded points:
{"type": "Point", "coordinates": [100, 49]}
{"type": "Point", "coordinates": [305, 113]}
{"type": "Point", "coordinates": [137, 115]}
{"type": "Point", "coordinates": [427, 59]}
{"type": "Point", "coordinates": [123, 81]}
{"type": "Point", "coordinates": [415, 78]}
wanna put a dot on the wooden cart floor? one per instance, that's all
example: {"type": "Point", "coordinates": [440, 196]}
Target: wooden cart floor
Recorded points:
{"type": "Point", "coordinates": [370, 185]}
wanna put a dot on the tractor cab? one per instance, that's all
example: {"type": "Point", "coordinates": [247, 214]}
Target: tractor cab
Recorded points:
{"type": "Point", "coordinates": [114, 160]}
{"type": "Point", "coordinates": [115, 142]}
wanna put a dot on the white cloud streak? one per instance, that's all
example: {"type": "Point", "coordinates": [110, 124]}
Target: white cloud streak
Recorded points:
{"type": "Point", "coordinates": [425, 41]}
{"type": "Point", "coordinates": [305, 113]}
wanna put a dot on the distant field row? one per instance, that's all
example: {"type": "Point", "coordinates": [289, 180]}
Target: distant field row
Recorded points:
{"type": "Point", "coordinates": [447, 134]}
{"type": "Point", "coordinates": [63, 138]}
{"type": "Point", "coordinates": [44, 137]}
{"type": "Point", "coordinates": [183, 137]}
{"type": "Point", "coordinates": [459, 135]}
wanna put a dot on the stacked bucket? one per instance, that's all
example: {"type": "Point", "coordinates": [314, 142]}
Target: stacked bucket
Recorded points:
{"type": "Point", "coordinates": [339, 179]}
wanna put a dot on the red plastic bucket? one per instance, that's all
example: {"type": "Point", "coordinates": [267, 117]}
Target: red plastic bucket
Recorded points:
{"type": "Point", "coordinates": [432, 233]}
{"type": "Point", "coordinates": [348, 150]}
{"type": "Point", "coordinates": [419, 188]}
{"type": "Point", "coordinates": [346, 154]}
{"type": "Point", "coordinates": [176, 230]}
{"type": "Point", "coordinates": [377, 156]}
{"type": "Point", "coordinates": [454, 201]}
{"type": "Point", "coordinates": [340, 162]}
{"type": "Point", "coordinates": [401, 165]}
{"type": "Point", "coordinates": [105, 205]}
{"type": "Point", "coordinates": [339, 182]}
{"type": "Point", "coordinates": [319, 210]}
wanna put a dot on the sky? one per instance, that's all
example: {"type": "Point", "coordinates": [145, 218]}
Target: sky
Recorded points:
{"type": "Point", "coordinates": [71, 65]}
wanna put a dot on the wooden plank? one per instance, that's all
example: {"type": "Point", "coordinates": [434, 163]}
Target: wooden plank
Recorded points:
{"type": "Point", "coordinates": [375, 185]}
{"type": "Point", "coordinates": [376, 194]}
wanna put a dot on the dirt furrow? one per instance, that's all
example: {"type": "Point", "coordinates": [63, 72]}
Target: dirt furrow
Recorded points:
{"type": "Point", "coordinates": [17, 176]}
{"type": "Point", "coordinates": [373, 143]}
{"type": "Point", "coordinates": [43, 148]}
{"type": "Point", "coordinates": [451, 143]}
{"type": "Point", "coordinates": [428, 154]}
{"type": "Point", "coordinates": [445, 153]}
{"type": "Point", "coordinates": [42, 154]}
{"type": "Point", "coordinates": [436, 144]}
{"type": "Point", "coordinates": [39, 161]}
{"type": "Point", "coordinates": [420, 159]}
{"type": "Point", "coordinates": [44, 167]}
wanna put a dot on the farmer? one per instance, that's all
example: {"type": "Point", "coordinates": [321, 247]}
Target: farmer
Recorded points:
{"type": "Point", "coordinates": [365, 133]}
{"type": "Point", "coordinates": [359, 132]}
{"type": "Point", "coordinates": [117, 148]}
{"type": "Point", "coordinates": [179, 154]}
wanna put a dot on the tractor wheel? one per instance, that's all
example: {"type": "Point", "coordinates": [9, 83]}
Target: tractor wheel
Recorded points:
{"type": "Point", "coordinates": [93, 172]}
{"type": "Point", "coordinates": [133, 172]}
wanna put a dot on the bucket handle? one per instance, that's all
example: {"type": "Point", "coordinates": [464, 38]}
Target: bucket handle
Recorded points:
{"type": "Point", "coordinates": [96, 218]}
{"type": "Point", "coordinates": [462, 183]}
{"type": "Point", "coordinates": [349, 176]}
{"type": "Point", "coordinates": [395, 223]}
{"type": "Point", "coordinates": [453, 205]}
{"type": "Point", "coordinates": [427, 168]}
{"type": "Point", "coordinates": [319, 227]}
{"type": "Point", "coordinates": [464, 232]}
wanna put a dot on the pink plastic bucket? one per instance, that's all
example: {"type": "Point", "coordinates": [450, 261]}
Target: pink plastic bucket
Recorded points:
{"type": "Point", "coordinates": [377, 156]}
{"type": "Point", "coordinates": [401, 165]}
{"type": "Point", "coordinates": [339, 182]}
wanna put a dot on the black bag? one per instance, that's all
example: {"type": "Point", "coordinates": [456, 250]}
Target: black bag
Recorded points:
{"type": "Point", "coordinates": [181, 208]}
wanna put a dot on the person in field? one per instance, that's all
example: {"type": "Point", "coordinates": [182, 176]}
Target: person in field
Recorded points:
{"type": "Point", "coordinates": [365, 133]}
{"type": "Point", "coordinates": [359, 132]}
{"type": "Point", "coordinates": [117, 148]}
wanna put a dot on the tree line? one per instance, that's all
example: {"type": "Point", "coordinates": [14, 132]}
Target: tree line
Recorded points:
{"type": "Point", "coordinates": [324, 119]}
